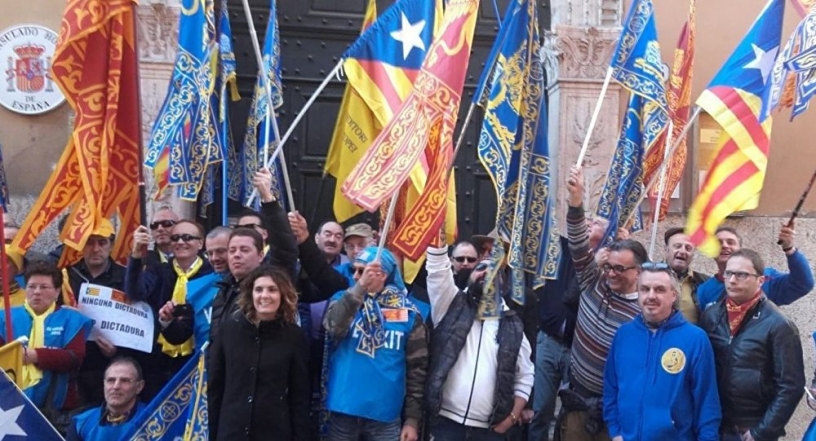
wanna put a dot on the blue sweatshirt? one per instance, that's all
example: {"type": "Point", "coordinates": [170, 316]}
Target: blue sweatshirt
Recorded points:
{"type": "Point", "coordinates": [781, 288]}
{"type": "Point", "coordinates": [661, 385]}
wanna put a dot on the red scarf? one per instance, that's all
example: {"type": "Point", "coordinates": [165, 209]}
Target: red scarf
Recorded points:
{"type": "Point", "coordinates": [736, 313]}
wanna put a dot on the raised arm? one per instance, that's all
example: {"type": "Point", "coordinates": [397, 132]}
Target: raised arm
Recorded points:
{"type": "Point", "coordinates": [281, 240]}
{"type": "Point", "coordinates": [583, 256]}
{"type": "Point", "coordinates": [322, 275]}
{"type": "Point", "coordinates": [441, 286]}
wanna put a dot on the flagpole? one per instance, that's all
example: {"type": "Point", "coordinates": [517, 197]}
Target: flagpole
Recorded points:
{"type": "Point", "coordinates": [296, 121]}
{"type": "Point", "coordinates": [594, 119]}
{"type": "Point", "coordinates": [799, 204]}
{"type": "Point", "coordinates": [5, 275]}
{"type": "Point", "coordinates": [139, 139]}
{"type": "Point", "coordinates": [225, 162]}
{"type": "Point", "coordinates": [389, 218]}
{"type": "Point", "coordinates": [675, 145]}
{"type": "Point", "coordinates": [270, 111]}
{"type": "Point", "coordinates": [660, 189]}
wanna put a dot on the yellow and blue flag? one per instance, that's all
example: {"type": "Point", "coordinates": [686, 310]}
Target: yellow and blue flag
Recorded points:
{"type": "Point", "coordinates": [260, 135]}
{"type": "Point", "coordinates": [501, 91]}
{"type": "Point", "coordinates": [734, 99]}
{"type": "Point", "coordinates": [637, 66]}
{"type": "Point", "coordinates": [186, 130]}
{"type": "Point", "coordinates": [179, 411]}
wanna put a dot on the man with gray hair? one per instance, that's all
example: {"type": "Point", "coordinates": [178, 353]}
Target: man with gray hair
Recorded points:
{"type": "Point", "coordinates": [660, 366]}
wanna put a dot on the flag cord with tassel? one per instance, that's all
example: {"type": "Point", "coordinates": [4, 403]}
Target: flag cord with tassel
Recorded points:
{"type": "Point", "coordinates": [270, 113]}
{"type": "Point", "coordinates": [660, 189]}
{"type": "Point", "coordinates": [300, 115]}
{"type": "Point", "coordinates": [675, 145]}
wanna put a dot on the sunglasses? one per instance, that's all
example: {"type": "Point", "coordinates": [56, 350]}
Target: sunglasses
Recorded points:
{"type": "Point", "coordinates": [462, 259]}
{"type": "Point", "coordinates": [164, 223]}
{"type": "Point", "coordinates": [184, 237]}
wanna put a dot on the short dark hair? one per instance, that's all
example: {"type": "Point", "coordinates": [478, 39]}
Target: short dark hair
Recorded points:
{"type": "Point", "coordinates": [256, 237]}
{"type": "Point", "coordinates": [44, 268]}
{"type": "Point", "coordinates": [124, 359]}
{"type": "Point", "coordinates": [253, 213]}
{"type": "Point", "coordinates": [671, 232]}
{"type": "Point", "coordinates": [753, 256]}
{"type": "Point", "coordinates": [632, 245]}
{"type": "Point", "coordinates": [731, 230]}
{"type": "Point", "coordinates": [323, 224]}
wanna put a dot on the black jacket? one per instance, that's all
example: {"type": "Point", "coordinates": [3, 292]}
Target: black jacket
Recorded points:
{"type": "Point", "coordinates": [760, 371]}
{"type": "Point", "coordinates": [558, 300]}
{"type": "Point", "coordinates": [322, 280]}
{"type": "Point", "coordinates": [258, 381]}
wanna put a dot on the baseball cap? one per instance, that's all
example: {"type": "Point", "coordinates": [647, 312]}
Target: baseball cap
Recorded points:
{"type": "Point", "coordinates": [360, 230]}
{"type": "Point", "coordinates": [104, 229]}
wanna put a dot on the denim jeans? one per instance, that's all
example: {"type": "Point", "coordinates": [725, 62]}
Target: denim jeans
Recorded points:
{"type": "Point", "coordinates": [448, 430]}
{"type": "Point", "coordinates": [344, 427]}
{"type": "Point", "coordinates": [551, 368]}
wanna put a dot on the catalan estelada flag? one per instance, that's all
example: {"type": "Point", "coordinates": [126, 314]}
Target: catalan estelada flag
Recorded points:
{"type": "Point", "coordinates": [678, 95]}
{"type": "Point", "coordinates": [734, 101]}
{"type": "Point", "coordinates": [425, 122]}
{"type": "Point", "coordinates": [95, 66]}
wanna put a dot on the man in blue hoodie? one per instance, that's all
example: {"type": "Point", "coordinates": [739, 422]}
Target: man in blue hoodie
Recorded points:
{"type": "Point", "coordinates": [660, 380]}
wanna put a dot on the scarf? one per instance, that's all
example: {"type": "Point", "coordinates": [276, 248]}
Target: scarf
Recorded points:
{"type": "Point", "coordinates": [736, 313]}
{"type": "Point", "coordinates": [180, 298]}
{"type": "Point", "coordinates": [31, 373]}
{"type": "Point", "coordinates": [393, 295]}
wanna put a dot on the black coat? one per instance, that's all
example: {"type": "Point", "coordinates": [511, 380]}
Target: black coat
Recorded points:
{"type": "Point", "coordinates": [760, 372]}
{"type": "Point", "coordinates": [258, 381]}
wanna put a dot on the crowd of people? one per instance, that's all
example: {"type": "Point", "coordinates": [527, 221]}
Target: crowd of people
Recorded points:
{"type": "Point", "coordinates": [320, 337]}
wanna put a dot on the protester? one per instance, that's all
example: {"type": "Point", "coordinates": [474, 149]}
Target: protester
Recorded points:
{"type": "Point", "coordinates": [215, 246]}
{"type": "Point", "coordinates": [477, 387]}
{"type": "Point", "coordinates": [760, 367]}
{"type": "Point", "coordinates": [244, 247]}
{"type": "Point", "coordinates": [608, 300]}
{"type": "Point", "coordinates": [258, 377]}
{"type": "Point", "coordinates": [679, 253]}
{"type": "Point", "coordinates": [160, 229]}
{"type": "Point", "coordinates": [56, 341]}
{"type": "Point", "coordinates": [379, 358]}
{"type": "Point", "coordinates": [781, 288]}
{"type": "Point", "coordinates": [660, 379]}
{"type": "Point", "coordinates": [463, 257]}
{"type": "Point", "coordinates": [112, 420]}
{"type": "Point", "coordinates": [329, 239]}
{"type": "Point", "coordinates": [96, 269]}
{"type": "Point", "coordinates": [187, 279]}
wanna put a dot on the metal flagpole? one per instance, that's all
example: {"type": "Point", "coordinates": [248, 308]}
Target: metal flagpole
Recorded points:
{"type": "Point", "coordinates": [594, 119]}
{"type": "Point", "coordinates": [389, 218]}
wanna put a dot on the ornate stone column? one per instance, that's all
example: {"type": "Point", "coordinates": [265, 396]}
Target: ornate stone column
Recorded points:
{"type": "Point", "coordinates": [158, 28]}
{"type": "Point", "coordinates": [577, 52]}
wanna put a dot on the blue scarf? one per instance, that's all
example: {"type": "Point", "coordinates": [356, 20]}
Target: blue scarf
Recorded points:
{"type": "Point", "coordinates": [393, 295]}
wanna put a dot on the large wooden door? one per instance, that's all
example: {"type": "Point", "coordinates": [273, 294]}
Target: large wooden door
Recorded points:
{"type": "Point", "coordinates": [313, 34]}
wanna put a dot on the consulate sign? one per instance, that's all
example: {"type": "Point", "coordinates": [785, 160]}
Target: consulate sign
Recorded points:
{"type": "Point", "coordinates": [26, 52]}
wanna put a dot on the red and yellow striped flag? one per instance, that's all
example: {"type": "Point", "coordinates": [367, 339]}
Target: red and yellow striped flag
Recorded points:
{"type": "Point", "coordinates": [678, 95]}
{"type": "Point", "coordinates": [734, 100]}
{"type": "Point", "coordinates": [95, 66]}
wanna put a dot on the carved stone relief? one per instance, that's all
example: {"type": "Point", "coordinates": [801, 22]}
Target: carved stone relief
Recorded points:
{"type": "Point", "coordinates": [578, 54]}
{"type": "Point", "coordinates": [586, 13]}
{"type": "Point", "coordinates": [158, 32]}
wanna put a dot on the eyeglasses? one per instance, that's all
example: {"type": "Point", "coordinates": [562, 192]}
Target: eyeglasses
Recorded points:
{"type": "Point", "coordinates": [164, 223]}
{"type": "Point", "coordinates": [617, 269]}
{"type": "Point", "coordinates": [184, 237]}
{"type": "Point", "coordinates": [251, 226]}
{"type": "Point", "coordinates": [358, 271]}
{"type": "Point", "coordinates": [462, 259]}
{"type": "Point", "coordinates": [39, 287]}
{"type": "Point", "coordinates": [127, 381]}
{"type": "Point", "coordinates": [740, 275]}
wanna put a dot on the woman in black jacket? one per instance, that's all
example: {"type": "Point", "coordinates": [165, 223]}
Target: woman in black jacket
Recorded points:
{"type": "Point", "coordinates": [258, 377]}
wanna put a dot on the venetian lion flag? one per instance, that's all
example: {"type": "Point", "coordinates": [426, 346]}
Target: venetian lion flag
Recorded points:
{"type": "Point", "coordinates": [95, 67]}
{"type": "Point", "coordinates": [425, 122]}
{"type": "Point", "coordinates": [734, 101]}
{"type": "Point", "coordinates": [354, 131]}
{"type": "Point", "coordinates": [678, 95]}
{"type": "Point", "coordinates": [185, 137]}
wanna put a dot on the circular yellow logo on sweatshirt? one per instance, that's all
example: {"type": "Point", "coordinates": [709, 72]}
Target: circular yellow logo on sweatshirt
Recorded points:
{"type": "Point", "coordinates": [673, 361]}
